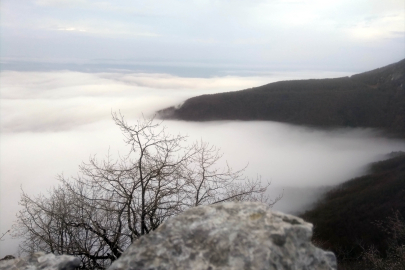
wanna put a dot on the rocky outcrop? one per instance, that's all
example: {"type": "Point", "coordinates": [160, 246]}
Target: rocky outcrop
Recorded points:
{"type": "Point", "coordinates": [41, 261]}
{"type": "Point", "coordinates": [228, 236]}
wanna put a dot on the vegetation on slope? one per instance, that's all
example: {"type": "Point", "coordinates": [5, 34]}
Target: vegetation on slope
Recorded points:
{"type": "Point", "coordinates": [372, 99]}
{"type": "Point", "coordinates": [349, 219]}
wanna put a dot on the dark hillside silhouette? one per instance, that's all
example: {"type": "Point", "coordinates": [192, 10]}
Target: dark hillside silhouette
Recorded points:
{"type": "Point", "coordinates": [346, 219]}
{"type": "Point", "coordinates": [373, 99]}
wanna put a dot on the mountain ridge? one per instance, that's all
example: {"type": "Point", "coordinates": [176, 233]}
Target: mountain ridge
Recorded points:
{"type": "Point", "coordinates": [372, 99]}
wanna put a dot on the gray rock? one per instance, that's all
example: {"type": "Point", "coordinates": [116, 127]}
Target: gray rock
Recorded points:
{"type": "Point", "coordinates": [40, 260]}
{"type": "Point", "coordinates": [8, 257]}
{"type": "Point", "coordinates": [228, 236]}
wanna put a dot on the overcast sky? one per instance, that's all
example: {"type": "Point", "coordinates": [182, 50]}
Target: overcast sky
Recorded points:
{"type": "Point", "coordinates": [256, 35]}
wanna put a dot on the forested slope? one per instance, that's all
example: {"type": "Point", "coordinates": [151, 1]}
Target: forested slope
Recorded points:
{"type": "Point", "coordinates": [347, 219]}
{"type": "Point", "coordinates": [372, 99]}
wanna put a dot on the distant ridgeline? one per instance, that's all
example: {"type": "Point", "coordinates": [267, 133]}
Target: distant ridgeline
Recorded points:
{"type": "Point", "coordinates": [373, 99]}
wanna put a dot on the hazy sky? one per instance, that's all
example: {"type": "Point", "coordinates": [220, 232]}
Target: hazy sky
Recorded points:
{"type": "Point", "coordinates": [257, 35]}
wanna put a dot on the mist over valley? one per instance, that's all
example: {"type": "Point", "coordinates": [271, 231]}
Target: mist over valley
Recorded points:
{"type": "Point", "coordinates": [52, 121]}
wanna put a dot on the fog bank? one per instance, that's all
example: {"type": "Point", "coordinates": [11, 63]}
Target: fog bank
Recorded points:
{"type": "Point", "coordinates": [52, 121]}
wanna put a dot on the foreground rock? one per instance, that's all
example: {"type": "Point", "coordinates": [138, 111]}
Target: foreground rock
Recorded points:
{"type": "Point", "coordinates": [40, 261]}
{"type": "Point", "coordinates": [228, 236]}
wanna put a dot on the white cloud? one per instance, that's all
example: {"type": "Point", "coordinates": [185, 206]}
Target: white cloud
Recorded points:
{"type": "Point", "coordinates": [375, 29]}
{"type": "Point", "coordinates": [62, 3]}
{"type": "Point", "coordinates": [71, 29]}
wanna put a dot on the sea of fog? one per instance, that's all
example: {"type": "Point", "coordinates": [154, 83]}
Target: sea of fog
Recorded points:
{"type": "Point", "coordinates": [52, 121]}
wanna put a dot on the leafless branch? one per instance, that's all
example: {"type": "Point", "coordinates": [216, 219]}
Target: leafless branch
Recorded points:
{"type": "Point", "coordinates": [97, 214]}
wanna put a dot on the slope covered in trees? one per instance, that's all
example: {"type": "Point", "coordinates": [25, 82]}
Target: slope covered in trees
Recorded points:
{"type": "Point", "coordinates": [353, 217]}
{"type": "Point", "coordinates": [373, 99]}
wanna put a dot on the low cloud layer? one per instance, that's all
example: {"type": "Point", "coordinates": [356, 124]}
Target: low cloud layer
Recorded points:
{"type": "Point", "coordinates": [52, 121]}
{"type": "Point", "coordinates": [56, 101]}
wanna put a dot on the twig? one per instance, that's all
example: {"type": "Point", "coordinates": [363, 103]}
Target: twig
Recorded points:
{"type": "Point", "coordinates": [4, 234]}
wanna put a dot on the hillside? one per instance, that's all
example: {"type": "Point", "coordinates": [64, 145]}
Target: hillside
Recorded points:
{"type": "Point", "coordinates": [373, 99]}
{"type": "Point", "coordinates": [345, 219]}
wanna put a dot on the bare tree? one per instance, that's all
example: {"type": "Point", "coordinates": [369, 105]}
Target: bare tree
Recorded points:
{"type": "Point", "coordinates": [99, 213]}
